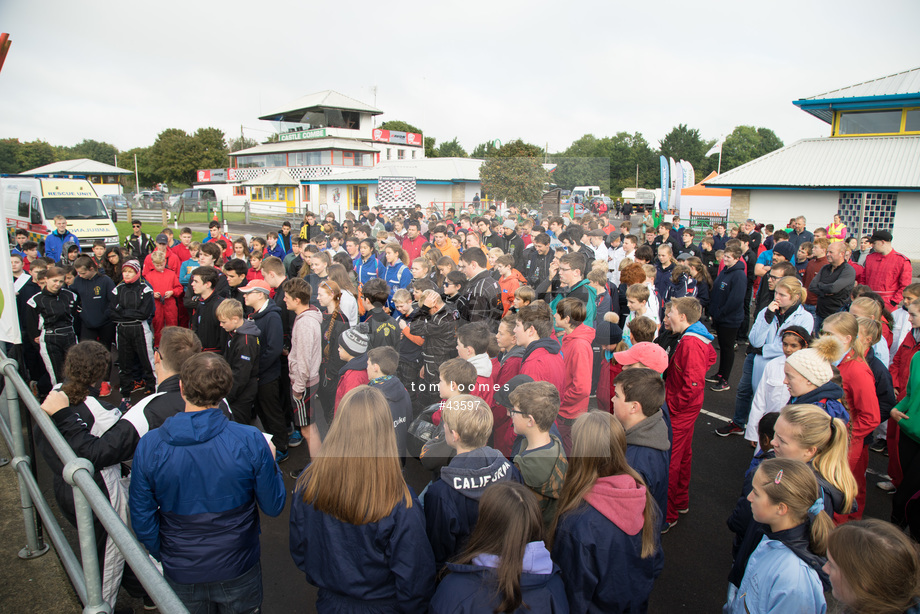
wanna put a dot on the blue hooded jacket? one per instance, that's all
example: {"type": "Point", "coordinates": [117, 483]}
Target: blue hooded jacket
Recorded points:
{"type": "Point", "coordinates": [55, 244]}
{"type": "Point", "coordinates": [397, 276]}
{"type": "Point", "coordinates": [598, 545]}
{"type": "Point", "coordinates": [726, 301]}
{"type": "Point", "coordinates": [470, 589]}
{"type": "Point", "coordinates": [195, 483]}
{"type": "Point", "coordinates": [452, 502]}
{"type": "Point", "coordinates": [366, 270]}
{"type": "Point", "coordinates": [381, 567]}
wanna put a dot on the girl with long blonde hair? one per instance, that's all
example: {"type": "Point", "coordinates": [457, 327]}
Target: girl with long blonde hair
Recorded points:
{"type": "Point", "coordinates": [356, 530]}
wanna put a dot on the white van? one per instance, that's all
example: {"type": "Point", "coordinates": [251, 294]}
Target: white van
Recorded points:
{"type": "Point", "coordinates": [584, 193]}
{"type": "Point", "coordinates": [33, 202]}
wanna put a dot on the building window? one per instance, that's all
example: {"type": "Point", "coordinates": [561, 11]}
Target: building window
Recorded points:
{"type": "Point", "coordinates": [304, 158]}
{"type": "Point", "coordinates": [262, 161]}
{"type": "Point", "coordinates": [348, 158]}
{"type": "Point", "coordinates": [401, 154]}
{"type": "Point", "coordinates": [865, 212]}
{"type": "Point", "coordinates": [366, 159]}
{"type": "Point", "coordinates": [389, 154]}
{"type": "Point", "coordinates": [413, 154]}
{"type": "Point", "coordinates": [239, 190]}
{"type": "Point", "coordinates": [890, 121]}
{"type": "Point", "coordinates": [306, 194]}
{"type": "Point", "coordinates": [912, 120]}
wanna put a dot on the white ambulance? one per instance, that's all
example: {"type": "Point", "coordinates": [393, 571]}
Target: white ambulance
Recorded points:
{"type": "Point", "coordinates": [32, 202]}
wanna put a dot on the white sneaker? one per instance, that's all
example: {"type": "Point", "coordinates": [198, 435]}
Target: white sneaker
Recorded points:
{"type": "Point", "coordinates": [887, 487]}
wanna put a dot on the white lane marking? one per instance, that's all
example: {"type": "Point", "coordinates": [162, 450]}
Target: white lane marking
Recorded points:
{"type": "Point", "coordinates": [712, 415]}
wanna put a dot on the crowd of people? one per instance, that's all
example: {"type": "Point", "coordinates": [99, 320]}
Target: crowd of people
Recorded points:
{"type": "Point", "coordinates": [548, 373]}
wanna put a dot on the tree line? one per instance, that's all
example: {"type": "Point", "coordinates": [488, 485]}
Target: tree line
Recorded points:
{"type": "Point", "coordinates": [610, 162]}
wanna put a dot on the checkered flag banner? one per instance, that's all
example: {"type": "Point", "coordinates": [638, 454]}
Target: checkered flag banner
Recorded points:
{"type": "Point", "coordinates": [396, 191]}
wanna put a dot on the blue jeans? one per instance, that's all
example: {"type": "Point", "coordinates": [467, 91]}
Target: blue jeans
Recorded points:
{"type": "Point", "coordinates": [240, 595]}
{"type": "Point", "coordinates": [745, 395]}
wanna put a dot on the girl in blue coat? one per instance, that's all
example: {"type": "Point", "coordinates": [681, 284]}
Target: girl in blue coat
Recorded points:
{"type": "Point", "coordinates": [782, 574]}
{"type": "Point", "coordinates": [394, 271]}
{"type": "Point", "coordinates": [505, 567]}
{"type": "Point", "coordinates": [357, 531]}
{"type": "Point", "coordinates": [606, 535]}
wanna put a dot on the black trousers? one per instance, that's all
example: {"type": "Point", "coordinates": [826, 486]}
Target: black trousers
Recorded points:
{"type": "Point", "coordinates": [726, 336]}
{"type": "Point", "coordinates": [268, 407]}
{"type": "Point", "coordinates": [53, 347]}
{"type": "Point", "coordinates": [746, 323]}
{"type": "Point", "coordinates": [135, 351]}
{"type": "Point", "coordinates": [905, 512]}
{"type": "Point", "coordinates": [105, 334]}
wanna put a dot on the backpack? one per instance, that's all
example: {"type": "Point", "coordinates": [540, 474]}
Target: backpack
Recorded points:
{"type": "Point", "coordinates": [835, 409]}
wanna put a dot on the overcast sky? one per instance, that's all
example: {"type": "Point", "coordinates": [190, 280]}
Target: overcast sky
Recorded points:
{"type": "Point", "coordinates": [547, 72]}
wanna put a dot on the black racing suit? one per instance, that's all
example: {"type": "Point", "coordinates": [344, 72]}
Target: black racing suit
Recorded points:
{"type": "Point", "coordinates": [54, 328]}
{"type": "Point", "coordinates": [131, 308]}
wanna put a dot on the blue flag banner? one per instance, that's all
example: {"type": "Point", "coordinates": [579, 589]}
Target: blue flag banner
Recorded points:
{"type": "Point", "coordinates": [665, 182]}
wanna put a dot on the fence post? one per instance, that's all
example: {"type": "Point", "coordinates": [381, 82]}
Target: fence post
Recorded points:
{"type": "Point", "coordinates": [128, 210]}
{"type": "Point", "coordinates": [86, 532]}
{"type": "Point", "coordinates": [34, 547]}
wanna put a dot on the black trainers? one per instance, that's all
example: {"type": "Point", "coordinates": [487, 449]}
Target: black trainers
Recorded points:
{"type": "Point", "coordinates": [729, 429]}
{"type": "Point", "coordinates": [668, 526]}
{"type": "Point", "coordinates": [713, 379]}
{"type": "Point", "coordinates": [880, 446]}
{"type": "Point", "coordinates": [720, 386]}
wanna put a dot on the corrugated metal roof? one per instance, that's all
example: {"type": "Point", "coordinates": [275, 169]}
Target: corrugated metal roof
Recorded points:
{"type": "Point", "coordinates": [306, 145]}
{"type": "Point", "coordinates": [877, 162]}
{"type": "Point", "coordinates": [80, 166]}
{"type": "Point", "coordinates": [427, 169]}
{"type": "Point", "coordinates": [907, 82]}
{"type": "Point", "coordinates": [328, 99]}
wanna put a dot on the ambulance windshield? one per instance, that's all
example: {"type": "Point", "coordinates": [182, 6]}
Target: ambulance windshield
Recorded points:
{"type": "Point", "coordinates": [75, 208]}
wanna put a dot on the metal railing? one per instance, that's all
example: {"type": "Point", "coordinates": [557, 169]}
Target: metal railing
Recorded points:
{"type": "Point", "coordinates": [88, 500]}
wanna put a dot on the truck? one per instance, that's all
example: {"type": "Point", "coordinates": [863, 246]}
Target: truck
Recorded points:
{"type": "Point", "coordinates": [640, 198]}
{"type": "Point", "coordinates": [584, 193]}
{"type": "Point", "coordinates": [31, 202]}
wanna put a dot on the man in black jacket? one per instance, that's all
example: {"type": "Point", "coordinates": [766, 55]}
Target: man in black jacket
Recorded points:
{"type": "Point", "coordinates": [536, 260]}
{"type": "Point", "coordinates": [482, 296]}
{"type": "Point", "coordinates": [833, 283]}
{"type": "Point", "coordinates": [204, 304]}
{"type": "Point", "coordinates": [513, 244]}
{"type": "Point", "coordinates": [138, 244]}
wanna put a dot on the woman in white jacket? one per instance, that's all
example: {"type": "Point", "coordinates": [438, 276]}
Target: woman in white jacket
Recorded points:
{"type": "Point", "coordinates": [784, 311]}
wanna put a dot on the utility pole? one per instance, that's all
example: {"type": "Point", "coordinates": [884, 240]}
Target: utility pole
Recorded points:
{"type": "Point", "coordinates": [137, 181]}
{"type": "Point", "coordinates": [637, 176]}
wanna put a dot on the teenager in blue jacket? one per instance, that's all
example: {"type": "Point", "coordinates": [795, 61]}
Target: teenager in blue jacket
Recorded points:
{"type": "Point", "coordinates": [607, 532]}
{"type": "Point", "coordinates": [357, 531]}
{"type": "Point", "coordinates": [452, 501]}
{"type": "Point", "coordinates": [784, 572]}
{"type": "Point", "coordinates": [56, 242]}
{"type": "Point", "coordinates": [506, 566]}
{"type": "Point", "coordinates": [366, 265]}
{"type": "Point", "coordinates": [726, 307]}
{"type": "Point", "coordinates": [393, 271]}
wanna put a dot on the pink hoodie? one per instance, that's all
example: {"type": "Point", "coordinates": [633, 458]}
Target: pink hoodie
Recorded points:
{"type": "Point", "coordinates": [621, 501]}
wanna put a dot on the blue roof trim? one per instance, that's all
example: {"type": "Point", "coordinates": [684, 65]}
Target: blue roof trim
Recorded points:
{"type": "Point", "coordinates": [823, 102]}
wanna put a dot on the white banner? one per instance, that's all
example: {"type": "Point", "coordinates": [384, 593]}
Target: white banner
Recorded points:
{"type": "Point", "coordinates": [689, 176]}
{"type": "Point", "coordinates": [9, 320]}
{"type": "Point", "coordinates": [716, 148]}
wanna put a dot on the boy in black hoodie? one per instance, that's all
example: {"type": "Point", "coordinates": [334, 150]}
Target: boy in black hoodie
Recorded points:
{"type": "Point", "coordinates": [452, 502]}
{"type": "Point", "coordinates": [383, 329]}
{"type": "Point", "coordinates": [382, 363]}
{"type": "Point", "coordinates": [242, 353]}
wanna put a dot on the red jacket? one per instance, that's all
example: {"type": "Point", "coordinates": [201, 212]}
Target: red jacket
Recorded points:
{"type": "Point", "coordinates": [544, 363]}
{"type": "Point", "coordinates": [181, 252]}
{"type": "Point", "coordinates": [578, 357]}
{"type": "Point", "coordinates": [509, 286]}
{"type": "Point", "coordinates": [685, 384]}
{"type": "Point", "coordinates": [172, 263]}
{"type": "Point", "coordinates": [413, 247]}
{"type": "Point", "coordinates": [888, 275]}
{"type": "Point", "coordinates": [164, 281]}
{"type": "Point", "coordinates": [862, 401]}
{"type": "Point", "coordinates": [348, 380]}
{"type": "Point", "coordinates": [900, 364]}
{"type": "Point", "coordinates": [503, 430]}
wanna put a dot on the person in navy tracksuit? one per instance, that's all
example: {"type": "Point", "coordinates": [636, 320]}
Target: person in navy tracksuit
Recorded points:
{"type": "Point", "coordinates": [610, 531]}
{"type": "Point", "coordinates": [394, 272]}
{"type": "Point", "coordinates": [197, 484]}
{"type": "Point", "coordinates": [726, 307]}
{"type": "Point", "coordinates": [452, 501]}
{"type": "Point", "coordinates": [366, 265]}
{"type": "Point", "coordinates": [509, 522]}
{"type": "Point", "coordinates": [638, 406]}
{"type": "Point", "coordinates": [354, 496]}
